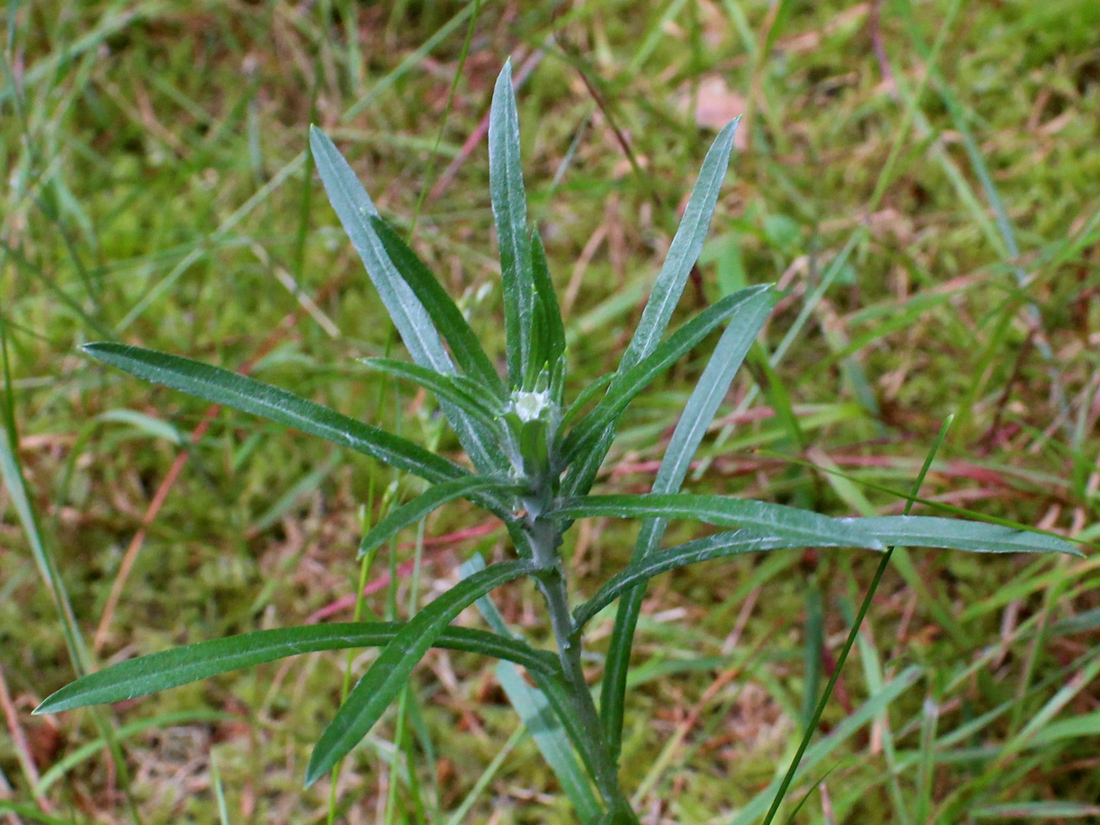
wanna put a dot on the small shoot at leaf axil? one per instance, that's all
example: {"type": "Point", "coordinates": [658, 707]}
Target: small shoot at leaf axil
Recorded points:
{"type": "Point", "coordinates": [534, 461]}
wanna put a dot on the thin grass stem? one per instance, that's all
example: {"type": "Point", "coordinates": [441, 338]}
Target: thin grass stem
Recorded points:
{"type": "Point", "coordinates": [852, 635]}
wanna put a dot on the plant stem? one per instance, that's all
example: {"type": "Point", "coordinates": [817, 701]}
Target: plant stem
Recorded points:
{"type": "Point", "coordinates": [551, 582]}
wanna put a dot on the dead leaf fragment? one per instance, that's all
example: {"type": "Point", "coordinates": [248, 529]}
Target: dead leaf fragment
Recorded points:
{"type": "Point", "coordinates": [716, 104]}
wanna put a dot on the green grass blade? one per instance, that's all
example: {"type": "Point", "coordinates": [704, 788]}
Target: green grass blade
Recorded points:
{"type": "Point", "coordinates": [464, 393]}
{"type": "Point", "coordinates": [1077, 727]}
{"type": "Point", "coordinates": [823, 749]}
{"type": "Point", "coordinates": [1033, 811]}
{"type": "Point", "coordinates": [448, 317]}
{"type": "Point", "coordinates": [556, 734]}
{"type": "Point", "coordinates": [146, 424]}
{"type": "Point", "coordinates": [803, 750]}
{"type": "Point", "coordinates": [814, 644]}
{"type": "Point", "coordinates": [533, 707]}
{"type": "Point", "coordinates": [718, 546]}
{"type": "Point", "coordinates": [32, 813]}
{"type": "Point", "coordinates": [434, 497]}
{"type": "Point", "coordinates": [355, 209]}
{"type": "Point", "coordinates": [589, 430]}
{"type": "Point", "coordinates": [219, 791]}
{"type": "Point", "coordinates": [248, 395]}
{"type": "Point", "coordinates": [183, 665]}
{"type": "Point", "coordinates": [21, 501]}
{"type": "Point", "coordinates": [369, 699]}
{"type": "Point", "coordinates": [956, 534]}
{"type": "Point", "coordinates": [510, 214]}
{"type": "Point", "coordinates": [788, 523]}
{"type": "Point", "coordinates": [682, 254]}
{"type": "Point", "coordinates": [699, 411]}
{"type": "Point", "coordinates": [459, 815]}
{"type": "Point", "coordinates": [559, 734]}
{"type": "Point", "coordinates": [72, 759]}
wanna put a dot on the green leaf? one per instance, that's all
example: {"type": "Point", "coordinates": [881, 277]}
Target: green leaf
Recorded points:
{"type": "Point", "coordinates": [584, 397]}
{"type": "Point", "coordinates": [463, 392]}
{"type": "Point", "coordinates": [182, 665]}
{"type": "Point", "coordinates": [589, 432]}
{"type": "Point", "coordinates": [447, 316]}
{"type": "Point", "coordinates": [956, 534]}
{"type": "Point", "coordinates": [682, 254]}
{"type": "Point", "coordinates": [369, 699]}
{"type": "Point", "coordinates": [510, 213]}
{"type": "Point", "coordinates": [248, 395]}
{"type": "Point", "coordinates": [717, 546]}
{"type": "Point", "coordinates": [698, 414]}
{"type": "Point", "coordinates": [547, 304]}
{"type": "Point", "coordinates": [729, 353]}
{"type": "Point", "coordinates": [582, 473]}
{"type": "Point", "coordinates": [681, 258]}
{"type": "Point", "coordinates": [616, 818]}
{"type": "Point", "coordinates": [435, 496]}
{"type": "Point", "coordinates": [355, 210]}
{"type": "Point", "coordinates": [786, 523]}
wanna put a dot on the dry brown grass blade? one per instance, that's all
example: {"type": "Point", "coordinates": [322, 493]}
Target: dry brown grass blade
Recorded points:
{"type": "Point", "coordinates": [20, 744]}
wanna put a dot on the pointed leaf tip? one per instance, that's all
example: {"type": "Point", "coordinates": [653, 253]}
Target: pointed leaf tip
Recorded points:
{"type": "Point", "coordinates": [509, 204]}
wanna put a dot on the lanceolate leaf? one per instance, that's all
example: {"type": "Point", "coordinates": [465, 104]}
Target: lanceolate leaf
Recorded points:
{"type": "Point", "coordinates": [698, 414]}
{"type": "Point", "coordinates": [713, 384]}
{"type": "Point", "coordinates": [355, 209]}
{"type": "Point", "coordinates": [182, 665]}
{"type": "Point", "coordinates": [582, 473]}
{"type": "Point", "coordinates": [251, 396]}
{"type": "Point", "coordinates": [369, 699]}
{"type": "Point", "coordinates": [510, 212]}
{"type": "Point", "coordinates": [447, 316]}
{"type": "Point", "coordinates": [584, 398]}
{"type": "Point", "coordinates": [787, 523]}
{"type": "Point", "coordinates": [459, 390]}
{"type": "Point", "coordinates": [619, 395]}
{"type": "Point", "coordinates": [682, 254]}
{"type": "Point", "coordinates": [547, 301]}
{"type": "Point", "coordinates": [956, 534]}
{"type": "Point", "coordinates": [681, 258]}
{"type": "Point", "coordinates": [720, 545]}
{"type": "Point", "coordinates": [434, 497]}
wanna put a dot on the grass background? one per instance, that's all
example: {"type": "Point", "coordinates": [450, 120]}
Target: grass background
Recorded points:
{"type": "Point", "coordinates": [921, 179]}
